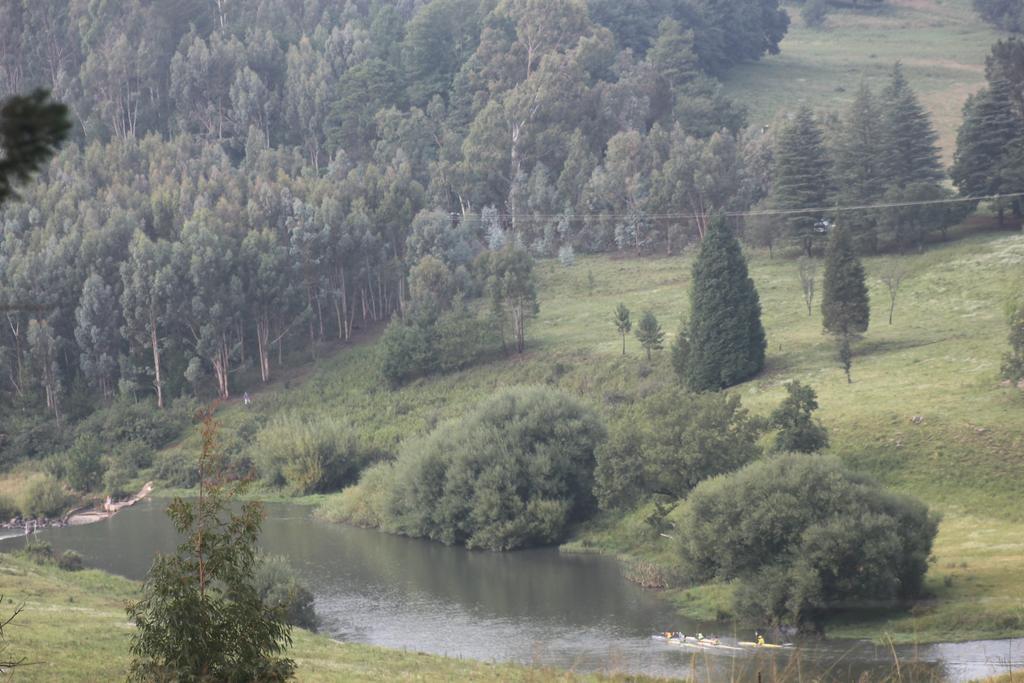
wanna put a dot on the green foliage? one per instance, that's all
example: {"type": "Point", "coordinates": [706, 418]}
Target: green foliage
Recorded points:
{"type": "Point", "coordinates": [44, 496]}
{"type": "Point", "coordinates": [1013, 361]}
{"type": "Point", "coordinates": [84, 463]}
{"type": "Point", "coordinates": [308, 454]}
{"type": "Point", "coordinates": [201, 615]}
{"type": "Point", "coordinates": [911, 152]}
{"type": "Point", "coordinates": [40, 552]}
{"type": "Point", "coordinates": [806, 537]}
{"type": "Point", "coordinates": [802, 176]}
{"type": "Point", "coordinates": [623, 323]}
{"type": "Point", "coordinates": [669, 442]}
{"type": "Point", "coordinates": [8, 508]}
{"type": "Point", "coordinates": [176, 468]}
{"type": "Point", "coordinates": [513, 473]}
{"type": "Point", "coordinates": [649, 333]}
{"type": "Point", "coordinates": [70, 561]}
{"type": "Point", "coordinates": [681, 350]}
{"type": "Point", "coordinates": [798, 431]}
{"type": "Point", "coordinates": [128, 421]}
{"type": "Point", "coordinates": [727, 340]}
{"type": "Point", "coordinates": [424, 344]}
{"type": "Point", "coordinates": [845, 306]}
{"type": "Point", "coordinates": [32, 127]}
{"type": "Point", "coordinates": [280, 589]}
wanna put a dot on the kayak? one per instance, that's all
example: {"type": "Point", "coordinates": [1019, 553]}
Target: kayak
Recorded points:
{"type": "Point", "coordinates": [747, 643]}
{"type": "Point", "coordinates": [708, 645]}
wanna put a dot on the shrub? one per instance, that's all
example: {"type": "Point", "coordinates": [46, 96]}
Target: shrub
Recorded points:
{"type": "Point", "coordinates": [40, 552]}
{"type": "Point", "coordinates": [428, 344]}
{"type": "Point", "coordinates": [279, 588]}
{"type": "Point", "coordinates": [126, 421]}
{"type": "Point", "coordinates": [514, 473]}
{"type": "Point", "coordinates": [70, 561]}
{"type": "Point", "coordinates": [8, 508]}
{"type": "Point", "coordinates": [364, 504]}
{"type": "Point", "coordinates": [83, 466]}
{"type": "Point", "coordinates": [669, 442]}
{"type": "Point", "coordinates": [44, 497]}
{"type": "Point", "coordinates": [805, 537]}
{"type": "Point", "coordinates": [309, 455]}
{"type": "Point", "coordinates": [798, 431]}
{"type": "Point", "coordinates": [176, 468]}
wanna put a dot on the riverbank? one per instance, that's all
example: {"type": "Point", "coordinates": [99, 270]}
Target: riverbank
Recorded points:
{"type": "Point", "coordinates": [73, 628]}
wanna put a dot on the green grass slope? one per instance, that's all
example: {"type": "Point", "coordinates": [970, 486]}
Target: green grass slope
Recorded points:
{"type": "Point", "coordinates": [942, 44]}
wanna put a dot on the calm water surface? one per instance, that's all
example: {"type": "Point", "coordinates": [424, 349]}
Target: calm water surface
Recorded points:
{"type": "Point", "coordinates": [535, 606]}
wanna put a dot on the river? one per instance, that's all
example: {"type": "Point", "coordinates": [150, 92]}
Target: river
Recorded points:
{"type": "Point", "coordinates": [534, 607]}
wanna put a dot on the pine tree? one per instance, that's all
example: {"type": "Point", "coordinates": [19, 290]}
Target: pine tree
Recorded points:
{"type": "Point", "coordinates": [845, 307]}
{"type": "Point", "coordinates": [802, 175]}
{"type": "Point", "coordinates": [859, 152]}
{"type": "Point", "coordinates": [911, 152]}
{"type": "Point", "coordinates": [727, 341]}
{"type": "Point", "coordinates": [32, 127]}
{"type": "Point", "coordinates": [650, 334]}
{"type": "Point", "coordinates": [981, 165]}
{"type": "Point", "coordinates": [623, 324]}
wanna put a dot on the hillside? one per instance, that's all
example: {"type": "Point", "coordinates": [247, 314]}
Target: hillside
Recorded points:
{"type": "Point", "coordinates": [926, 413]}
{"type": "Point", "coordinates": [941, 43]}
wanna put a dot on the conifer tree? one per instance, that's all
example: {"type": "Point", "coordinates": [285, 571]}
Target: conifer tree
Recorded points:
{"type": "Point", "coordinates": [650, 334]}
{"type": "Point", "coordinates": [983, 161]}
{"type": "Point", "coordinates": [727, 341]}
{"type": "Point", "coordinates": [911, 151]}
{"type": "Point", "coordinates": [858, 155]}
{"type": "Point", "coordinates": [845, 307]}
{"type": "Point", "coordinates": [681, 350]}
{"type": "Point", "coordinates": [802, 176]}
{"type": "Point", "coordinates": [623, 324]}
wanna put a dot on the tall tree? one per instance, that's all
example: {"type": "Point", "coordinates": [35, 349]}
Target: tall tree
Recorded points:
{"type": "Point", "coordinates": [845, 306]}
{"type": "Point", "coordinates": [97, 333]}
{"type": "Point", "coordinates": [151, 282]}
{"type": "Point", "coordinates": [727, 340]}
{"type": "Point", "coordinates": [859, 155]}
{"type": "Point", "coordinates": [802, 177]}
{"type": "Point", "coordinates": [910, 143]}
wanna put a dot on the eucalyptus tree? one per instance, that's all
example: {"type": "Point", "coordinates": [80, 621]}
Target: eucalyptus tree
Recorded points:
{"type": "Point", "coordinates": [151, 297]}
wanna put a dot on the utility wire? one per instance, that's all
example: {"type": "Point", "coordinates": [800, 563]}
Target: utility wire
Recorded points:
{"type": "Point", "coordinates": [738, 214]}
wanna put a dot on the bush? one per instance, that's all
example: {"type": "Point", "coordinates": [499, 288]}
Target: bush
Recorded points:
{"type": "Point", "coordinates": [8, 508]}
{"type": "Point", "coordinates": [44, 497]}
{"type": "Point", "coordinates": [805, 537]}
{"type": "Point", "coordinates": [308, 455]}
{"type": "Point", "coordinates": [83, 467]}
{"type": "Point", "coordinates": [70, 561]}
{"type": "Point", "coordinates": [279, 588]}
{"type": "Point", "coordinates": [669, 442]}
{"type": "Point", "coordinates": [127, 421]}
{"type": "Point", "coordinates": [427, 344]}
{"type": "Point", "coordinates": [362, 505]}
{"type": "Point", "coordinates": [176, 468]}
{"type": "Point", "coordinates": [512, 474]}
{"type": "Point", "coordinates": [40, 552]}
{"type": "Point", "coordinates": [798, 431]}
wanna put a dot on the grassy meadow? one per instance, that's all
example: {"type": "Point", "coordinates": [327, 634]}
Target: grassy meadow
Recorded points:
{"type": "Point", "coordinates": [941, 43]}
{"type": "Point", "coordinates": [926, 413]}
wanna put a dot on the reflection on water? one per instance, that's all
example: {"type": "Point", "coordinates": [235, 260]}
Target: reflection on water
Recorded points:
{"type": "Point", "coordinates": [534, 606]}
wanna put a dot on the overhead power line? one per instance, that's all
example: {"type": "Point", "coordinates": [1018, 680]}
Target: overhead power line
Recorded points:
{"type": "Point", "coordinates": [822, 210]}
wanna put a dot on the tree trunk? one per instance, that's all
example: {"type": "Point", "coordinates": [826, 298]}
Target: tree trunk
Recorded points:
{"type": "Point", "coordinates": [623, 342]}
{"type": "Point", "coordinates": [158, 381]}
